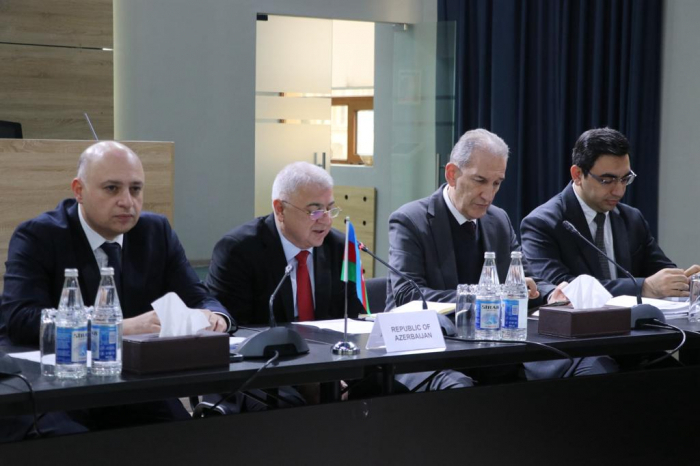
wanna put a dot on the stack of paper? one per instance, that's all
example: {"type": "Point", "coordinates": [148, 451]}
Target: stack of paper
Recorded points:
{"type": "Point", "coordinates": [671, 307]}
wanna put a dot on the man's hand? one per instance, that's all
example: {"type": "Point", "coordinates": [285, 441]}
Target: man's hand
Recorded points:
{"type": "Point", "coordinates": [532, 291]}
{"type": "Point", "coordinates": [145, 323]}
{"type": "Point", "coordinates": [666, 282]}
{"type": "Point", "coordinates": [217, 322]}
{"type": "Point", "coordinates": [558, 295]}
{"type": "Point", "coordinates": [692, 270]}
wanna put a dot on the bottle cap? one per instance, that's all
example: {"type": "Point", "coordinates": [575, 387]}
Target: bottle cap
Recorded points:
{"type": "Point", "coordinates": [489, 255]}
{"type": "Point", "coordinates": [71, 272]}
{"type": "Point", "coordinates": [107, 271]}
{"type": "Point", "coordinates": [516, 255]}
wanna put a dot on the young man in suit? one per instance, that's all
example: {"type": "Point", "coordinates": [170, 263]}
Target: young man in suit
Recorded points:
{"type": "Point", "coordinates": [439, 242]}
{"type": "Point", "coordinates": [600, 174]}
{"type": "Point", "coordinates": [103, 226]}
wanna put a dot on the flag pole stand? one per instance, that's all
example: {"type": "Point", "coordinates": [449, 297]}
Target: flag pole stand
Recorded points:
{"type": "Point", "coordinates": [345, 347]}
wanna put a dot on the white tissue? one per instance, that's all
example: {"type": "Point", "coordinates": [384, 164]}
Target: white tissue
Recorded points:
{"type": "Point", "coordinates": [585, 292]}
{"type": "Point", "coordinates": [176, 319]}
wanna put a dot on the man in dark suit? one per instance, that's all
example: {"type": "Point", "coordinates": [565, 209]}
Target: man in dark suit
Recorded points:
{"type": "Point", "coordinates": [439, 241]}
{"type": "Point", "coordinates": [249, 261]}
{"type": "Point", "coordinates": [600, 175]}
{"type": "Point", "coordinates": [103, 226]}
{"type": "Point", "coordinates": [106, 212]}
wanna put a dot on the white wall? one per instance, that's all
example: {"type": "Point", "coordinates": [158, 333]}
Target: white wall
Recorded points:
{"type": "Point", "coordinates": [679, 177]}
{"type": "Point", "coordinates": [185, 72]}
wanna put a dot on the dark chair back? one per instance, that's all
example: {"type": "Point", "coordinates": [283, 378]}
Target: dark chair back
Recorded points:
{"type": "Point", "coordinates": [376, 293]}
{"type": "Point", "coordinates": [10, 129]}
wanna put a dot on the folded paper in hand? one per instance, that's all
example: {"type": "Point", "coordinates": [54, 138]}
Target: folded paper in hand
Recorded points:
{"type": "Point", "coordinates": [176, 319]}
{"type": "Point", "coordinates": [585, 292]}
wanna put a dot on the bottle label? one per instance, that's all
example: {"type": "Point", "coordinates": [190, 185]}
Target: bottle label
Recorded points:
{"type": "Point", "coordinates": [104, 343]}
{"type": "Point", "coordinates": [71, 345]}
{"type": "Point", "coordinates": [488, 314]}
{"type": "Point", "coordinates": [514, 313]}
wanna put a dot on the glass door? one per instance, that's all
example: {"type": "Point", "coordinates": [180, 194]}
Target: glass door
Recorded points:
{"type": "Point", "coordinates": [423, 108]}
{"type": "Point", "coordinates": [293, 98]}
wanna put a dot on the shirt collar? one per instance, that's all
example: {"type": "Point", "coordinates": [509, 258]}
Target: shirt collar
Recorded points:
{"type": "Point", "coordinates": [94, 238]}
{"type": "Point", "coordinates": [587, 211]}
{"type": "Point", "coordinates": [290, 251]}
{"type": "Point", "coordinates": [461, 219]}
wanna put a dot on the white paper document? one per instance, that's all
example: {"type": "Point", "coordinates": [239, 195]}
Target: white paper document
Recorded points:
{"type": "Point", "coordinates": [33, 356]}
{"type": "Point", "coordinates": [355, 327]}
{"type": "Point", "coordinates": [415, 306]}
{"type": "Point", "coordinates": [671, 308]}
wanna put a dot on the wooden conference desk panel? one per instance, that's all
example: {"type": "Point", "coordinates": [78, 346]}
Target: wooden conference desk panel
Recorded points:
{"type": "Point", "coordinates": [35, 175]}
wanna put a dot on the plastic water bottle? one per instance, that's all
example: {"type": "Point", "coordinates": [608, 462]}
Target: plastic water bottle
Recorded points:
{"type": "Point", "coordinates": [488, 301]}
{"type": "Point", "coordinates": [514, 301]}
{"type": "Point", "coordinates": [71, 330]}
{"type": "Point", "coordinates": [106, 328]}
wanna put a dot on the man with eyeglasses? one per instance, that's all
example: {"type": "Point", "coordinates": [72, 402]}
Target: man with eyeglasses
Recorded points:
{"type": "Point", "coordinates": [600, 175]}
{"type": "Point", "coordinates": [440, 241]}
{"type": "Point", "coordinates": [249, 261]}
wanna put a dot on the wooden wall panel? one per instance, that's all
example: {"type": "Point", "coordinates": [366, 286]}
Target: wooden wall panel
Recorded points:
{"type": "Point", "coordinates": [70, 23]}
{"type": "Point", "coordinates": [35, 175]}
{"type": "Point", "coordinates": [359, 204]}
{"type": "Point", "coordinates": [47, 89]}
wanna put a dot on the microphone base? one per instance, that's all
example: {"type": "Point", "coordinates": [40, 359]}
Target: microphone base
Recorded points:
{"type": "Point", "coordinates": [345, 348]}
{"type": "Point", "coordinates": [286, 341]}
{"type": "Point", "coordinates": [645, 314]}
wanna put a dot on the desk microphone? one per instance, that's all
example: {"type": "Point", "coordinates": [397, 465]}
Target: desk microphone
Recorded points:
{"type": "Point", "coordinates": [396, 271]}
{"type": "Point", "coordinates": [448, 328]}
{"type": "Point", "coordinates": [642, 314]}
{"type": "Point", "coordinates": [287, 271]}
{"type": "Point", "coordinates": [283, 340]}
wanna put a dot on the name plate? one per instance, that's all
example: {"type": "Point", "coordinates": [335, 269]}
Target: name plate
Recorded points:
{"type": "Point", "coordinates": [406, 331]}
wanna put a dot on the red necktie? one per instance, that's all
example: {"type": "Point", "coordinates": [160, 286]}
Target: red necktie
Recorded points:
{"type": "Point", "coordinates": [305, 300]}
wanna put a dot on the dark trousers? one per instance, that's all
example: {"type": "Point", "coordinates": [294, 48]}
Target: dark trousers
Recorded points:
{"type": "Point", "coordinates": [111, 417]}
{"type": "Point", "coordinates": [16, 428]}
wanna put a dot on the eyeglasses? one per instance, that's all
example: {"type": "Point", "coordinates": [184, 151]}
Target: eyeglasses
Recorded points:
{"type": "Point", "coordinates": [318, 214]}
{"type": "Point", "coordinates": [607, 180]}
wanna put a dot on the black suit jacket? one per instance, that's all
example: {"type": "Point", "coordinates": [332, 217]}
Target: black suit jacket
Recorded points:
{"type": "Point", "coordinates": [248, 263]}
{"type": "Point", "coordinates": [421, 246]}
{"type": "Point", "coordinates": [153, 264]}
{"type": "Point", "coordinates": [558, 255]}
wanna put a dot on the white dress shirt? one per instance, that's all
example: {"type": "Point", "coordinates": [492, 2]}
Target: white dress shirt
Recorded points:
{"type": "Point", "coordinates": [461, 219]}
{"type": "Point", "coordinates": [96, 240]}
{"type": "Point", "coordinates": [607, 232]}
{"type": "Point", "coordinates": [290, 252]}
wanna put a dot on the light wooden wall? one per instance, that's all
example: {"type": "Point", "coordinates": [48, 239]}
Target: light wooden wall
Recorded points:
{"type": "Point", "coordinates": [54, 67]}
{"type": "Point", "coordinates": [35, 175]}
{"type": "Point", "coordinates": [359, 204]}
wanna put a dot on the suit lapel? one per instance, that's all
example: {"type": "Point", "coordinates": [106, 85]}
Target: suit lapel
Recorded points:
{"type": "Point", "coordinates": [275, 263]}
{"type": "Point", "coordinates": [322, 283]}
{"type": "Point", "coordinates": [441, 235]}
{"type": "Point", "coordinates": [619, 231]}
{"type": "Point", "coordinates": [574, 214]}
{"type": "Point", "coordinates": [89, 272]}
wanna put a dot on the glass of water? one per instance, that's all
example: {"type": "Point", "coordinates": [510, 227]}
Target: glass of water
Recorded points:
{"type": "Point", "coordinates": [465, 310]}
{"type": "Point", "coordinates": [47, 342]}
{"type": "Point", "coordinates": [694, 303]}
